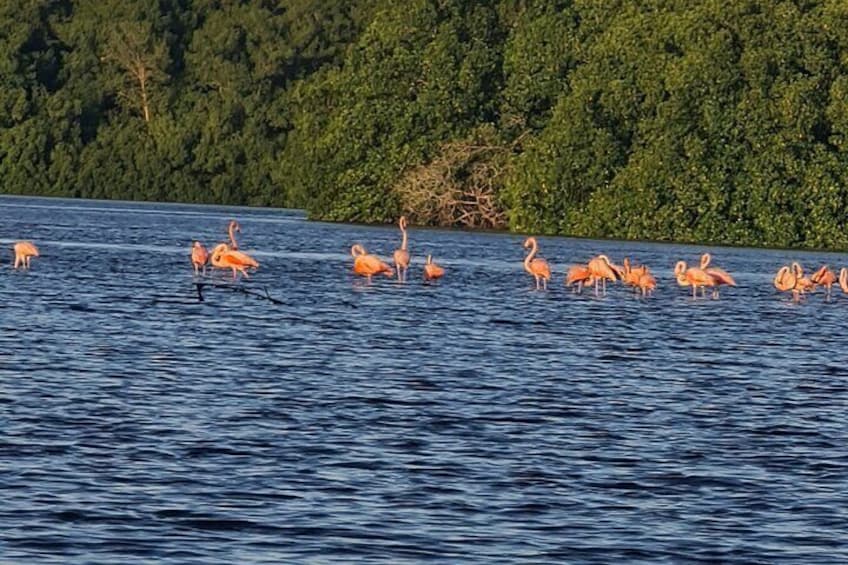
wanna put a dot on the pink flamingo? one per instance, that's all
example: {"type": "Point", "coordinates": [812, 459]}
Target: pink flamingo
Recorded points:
{"type": "Point", "coordinates": [537, 267]}
{"type": "Point", "coordinates": [231, 230]}
{"type": "Point", "coordinates": [199, 257]}
{"type": "Point", "coordinates": [24, 251]}
{"type": "Point", "coordinates": [401, 256]}
{"type": "Point", "coordinates": [368, 265]}
{"type": "Point", "coordinates": [225, 258]}
{"type": "Point", "coordinates": [432, 271]}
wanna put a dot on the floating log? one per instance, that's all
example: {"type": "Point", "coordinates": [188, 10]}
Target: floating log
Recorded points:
{"type": "Point", "coordinates": [264, 294]}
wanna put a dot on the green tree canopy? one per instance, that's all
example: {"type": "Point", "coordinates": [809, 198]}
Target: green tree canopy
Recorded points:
{"type": "Point", "coordinates": [695, 120]}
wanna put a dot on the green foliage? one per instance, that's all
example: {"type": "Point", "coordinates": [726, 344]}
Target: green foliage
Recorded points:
{"type": "Point", "coordinates": [696, 120]}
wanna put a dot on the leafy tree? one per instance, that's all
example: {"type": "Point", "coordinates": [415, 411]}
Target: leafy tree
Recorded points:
{"type": "Point", "coordinates": [696, 120]}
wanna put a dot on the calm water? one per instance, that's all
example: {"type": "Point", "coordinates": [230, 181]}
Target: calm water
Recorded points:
{"type": "Point", "coordinates": [471, 421]}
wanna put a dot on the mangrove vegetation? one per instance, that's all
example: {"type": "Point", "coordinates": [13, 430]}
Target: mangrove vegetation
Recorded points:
{"type": "Point", "coordinates": [691, 120]}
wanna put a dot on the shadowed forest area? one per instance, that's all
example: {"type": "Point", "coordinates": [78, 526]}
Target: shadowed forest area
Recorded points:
{"type": "Point", "coordinates": [686, 120]}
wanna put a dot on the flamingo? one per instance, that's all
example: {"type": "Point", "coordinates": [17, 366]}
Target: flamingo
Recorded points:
{"type": "Point", "coordinates": [24, 251]}
{"type": "Point", "coordinates": [786, 280]}
{"type": "Point", "coordinates": [578, 276]}
{"type": "Point", "coordinates": [640, 278]}
{"type": "Point", "coordinates": [804, 283]}
{"type": "Point", "coordinates": [791, 278]}
{"type": "Point", "coordinates": [719, 276]}
{"type": "Point", "coordinates": [630, 274]}
{"type": "Point", "coordinates": [368, 265]}
{"type": "Point", "coordinates": [199, 257]}
{"type": "Point", "coordinates": [231, 230]}
{"type": "Point", "coordinates": [537, 267]}
{"type": "Point", "coordinates": [646, 283]}
{"type": "Point", "coordinates": [692, 276]}
{"type": "Point", "coordinates": [431, 270]}
{"type": "Point", "coordinates": [224, 257]}
{"type": "Point", "coordinates": [401, 255]}
{"type": "Point", "coordinates": [825, 277]}
{"type": "Point", "coordinates": [843, 279]}
{"type": "Point", "coordinates": [602, 270]}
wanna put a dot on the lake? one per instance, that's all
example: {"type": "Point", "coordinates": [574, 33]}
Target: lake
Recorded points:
{"type": "Point", "coordinates": [474, 420]}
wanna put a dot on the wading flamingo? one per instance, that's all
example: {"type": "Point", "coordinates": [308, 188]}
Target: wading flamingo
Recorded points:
{"type": "Point", "coordinates": [630, 275]}
{"type": "Point", "coordinates": [602, 270]}
{"type": "Point", "coordinates": [368, 265]}
{"type": "Point", "coordinates": [225, 258]}
{"type": "Point", "coordinates": [805, 284]}
{"type": "Point", "coordinates": [431, 270]}
{"type": "Point", "coordinates": [24, 251]}
{"type": "Point", "coordinates": [824, 277]}
{"type": "Point", "coordinates": [719, 276]}
{"type": "Point", "coordinates": [647, 283]}
{"type": "Point", "coordinates": [791, 278]}
{"type": "Point", "coordinates": [786, 281]}
{"type": "Point", "coordinates": [231, 230]}
{"type": "Point", "coordinates": [640, 278]}
{"type": "Point", "coordinates": [577, 277]}
{"type": "Point", "coordinates": [537, 267]}
{"type": "Point", "coordinates": [199, 257]}
{"type": "Point", "coordinates": [843, 279]}
{"type": "Point", "coordinates": [401, 255]}
{"type": "Point", "coordinates": [692, 276]}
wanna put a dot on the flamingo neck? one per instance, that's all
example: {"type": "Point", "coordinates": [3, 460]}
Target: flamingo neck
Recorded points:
{"type": "Point", "coordinates": [404, 240]}
{"type": "Point", "coordinates": [534, 247]}
{"type": "Point", "coordinates": [232, 231]}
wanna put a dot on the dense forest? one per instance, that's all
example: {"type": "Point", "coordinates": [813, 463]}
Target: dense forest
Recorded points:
{"type": "Point", "coordinates": [692, 120]}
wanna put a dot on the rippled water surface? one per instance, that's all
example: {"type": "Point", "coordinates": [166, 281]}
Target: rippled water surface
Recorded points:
{"type": "Point", "coordinates": [471, 421]}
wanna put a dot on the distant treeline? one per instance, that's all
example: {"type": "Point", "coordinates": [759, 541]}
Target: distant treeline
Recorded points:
{"type": "Point", "coordinates": [700, 120]}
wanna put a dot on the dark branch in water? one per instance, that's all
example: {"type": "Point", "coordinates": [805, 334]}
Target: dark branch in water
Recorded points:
{"type": "Point", "coordinates": [265, 295]}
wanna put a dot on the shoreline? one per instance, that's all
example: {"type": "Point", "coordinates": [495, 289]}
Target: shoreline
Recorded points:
{"type": "Point", "coordinates": [449, 229]}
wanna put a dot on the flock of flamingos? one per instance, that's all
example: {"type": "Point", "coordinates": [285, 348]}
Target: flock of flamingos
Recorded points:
{"type": "Point", "coordinates": [595, 273]}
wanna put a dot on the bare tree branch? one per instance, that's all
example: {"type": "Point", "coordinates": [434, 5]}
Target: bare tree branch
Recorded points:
{"type": "Point", "coordinates": [460, 186]}
{"type": "Point", "coordinates": [142, 58]}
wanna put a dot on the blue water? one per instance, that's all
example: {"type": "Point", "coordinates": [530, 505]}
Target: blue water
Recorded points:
{"type": "Point", "coordinates": [471, 421]}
